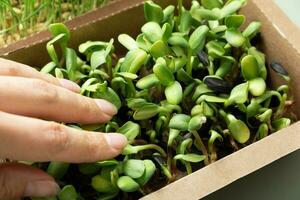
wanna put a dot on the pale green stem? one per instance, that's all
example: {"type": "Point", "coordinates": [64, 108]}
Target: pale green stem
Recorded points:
{"type": "Point", "coordinates": [201, 147]}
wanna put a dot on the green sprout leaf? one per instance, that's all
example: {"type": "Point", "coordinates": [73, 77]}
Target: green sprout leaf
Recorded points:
{"type": "Point", "coordinates": [153, 12]}
{"type": "Point", "coordinates": [180, 122]}
{"type": "Point", "coordinates": [159, 49]}
{"type": "Point", "coordinates": [234, 21]}
{"type": "Point", "coordinates": [57, 169]}
{"type": "Point", "coordinates": [234, 37]}
{"type": "Point", "coordinates": [200, 90]}
{"type": "Point", "coordinates": [232, 7]}
{"type": "Point", "coordinates": [184, 77]}
{"type": "Point", "coordinates": [203, 109]}
{"type": "Point", "coordinates": [130, 129]}
{"type": "Point", "coordinates": [152, 31]}
{"type": "Point", "coordinates": [257, 86]}
{"type": "Point", "coordinates": [149, 172]}
{"type": "Point", "coordinates": [250, 67]}
{"type": "Point", "coordinates": [190, 157]}
{"type": "Point", "coordinates": [238, 129]}
{"type": "Point", "coordinates": [224, 69]}
{"type": "Point", "coordinates": [136, 103]}
{"type": "Point", "coordinates": [127, 75]}
{"type": "Point", "coordinates": [143, 43]}
{"type": "Point", "coordinates": [177, 40]}
{"type": "Point", "coordinates": [129, 149]}
{"type": "Point", "coordinates": [252, 29]}
{"type": "Point", "coordinates": [214, 135]}
{"type": "Point", "coordinates": [146, 112]}
{"type": "Point", "coordinates": [163, 73]}
{"type": "Point", "coordinates": [101, 184]}
{"type": "Point", "coordinates": [211, 99]}
{"type": "Point", "coordinates": [91, 46]}
{"type": "Point", "coordinates": [68, 193]}
{"type": "Point", "coordinates": [197, 38]}
{"type": "Point", "coordinates": [127, 184]}
{"type": "Point", "coordinates": [172, 135]}
{"type": "Point", "coordinates": [207, 14]}
{"type": "Point", "coordinates": [127, 41]}
{"type": "Point", "coordinates": [109, 95]}
{"type": "Point", "coordinates": [59, 28]}
{"type": "Point", "coordinates": [281, 123]}
{"type": "Point", "coordinates": [50, 47]}
{"type": "Point", "coordinates": [265, 116]}
{"type": "Point", "coordinates": [262, 131]}
{"type": "Point", "coordinates": [238, 95]}
{"type": "Point", "coordinates": [147, 82]}
{"type": "Point", "coordinates": [133, 61]}
{"type": "Point", "coordinates": [196, 122]}
{"type": "Point", "coordinates": [185, 21]}
{"type": "Point", "coordinates": [134, 168]}
{"type": "Point", "coordinates": [71, 63]}
{"type": "Point", "coordinates": [167, 32]}
{"type": "Point", "coordinates": [211, 4]}
{"type": "Point", "coordinates": [215, 49]}
{"type": "Point", "coordinates": [61, 35]}
{"type": "Point", "coordinates": [253, 108]}
{"type": "Point", "coordinates": [93, 168]}
{"type": "Point", "coordinates": [168, 13]}
{"type": "Point", "coordinates": [48, 68]}
{"type": "Point", "coordinates": [260, 58]}
{"type": "Point", "coordinates": [174, 93]}
{"type": "Point", "coordinates": [184, 145]}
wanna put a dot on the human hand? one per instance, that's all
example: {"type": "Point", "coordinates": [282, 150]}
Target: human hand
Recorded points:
{"type": "Point", "coordinates": [27, 99]}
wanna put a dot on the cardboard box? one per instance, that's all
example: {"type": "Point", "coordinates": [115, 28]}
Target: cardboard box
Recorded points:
{"type": "Point", "coordinates": [280, 43]}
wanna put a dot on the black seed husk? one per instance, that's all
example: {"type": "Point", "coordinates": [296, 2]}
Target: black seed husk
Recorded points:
{"type": "Point", "coordinates": [159, 159]}
{"type": "Point", "coordinates": [217, 84]}
{"type": "Point", "coordinates": [203, 58]}
{"type": "Point", "coordinates": [277, 67]}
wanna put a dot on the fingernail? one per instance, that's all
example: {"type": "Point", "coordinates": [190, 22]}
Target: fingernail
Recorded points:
{"type": "Point", "coordinates": [70, 85]}
{"type": "Point", "coordinates": [116, 140]}
{"type": "Point", "coordinates": [41, 188]}
{"type": "Point", "coordinates": [107, 107]}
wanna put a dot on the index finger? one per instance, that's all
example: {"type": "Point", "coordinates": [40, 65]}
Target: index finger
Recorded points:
{"type": "Point", "coordinates": [11, 68]}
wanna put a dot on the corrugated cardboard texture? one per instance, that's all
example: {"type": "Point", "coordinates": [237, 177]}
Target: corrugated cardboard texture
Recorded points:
{"type": "Point", "coordinates": [280, 42]}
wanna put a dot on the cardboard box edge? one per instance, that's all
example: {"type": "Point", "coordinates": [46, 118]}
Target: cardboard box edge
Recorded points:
{"type": "Point", "coordinates": [237, 165]}
{"type": "Point", "coordinates": [109, 10]}
{"type": "Point", "coordinates": [289, 30]}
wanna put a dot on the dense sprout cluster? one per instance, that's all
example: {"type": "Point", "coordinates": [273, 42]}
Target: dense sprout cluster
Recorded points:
{"type": "Point", "coordinates": [190, 89]}
{"type": "Point", "coordinates": [21, 18]}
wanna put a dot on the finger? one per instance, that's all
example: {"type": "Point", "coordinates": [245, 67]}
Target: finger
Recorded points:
{"type": "Point", "coordinates": [11, 68]}
{"type": "Point", "coordinates": [24, 138]}
{"type": "Point", "coordinates": [37, 98]}
{"type": "Point", "coordinates": [18, 180]}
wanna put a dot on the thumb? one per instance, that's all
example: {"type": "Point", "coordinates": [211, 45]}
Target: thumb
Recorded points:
{"type": "Point", "coordinates": [18, 180]}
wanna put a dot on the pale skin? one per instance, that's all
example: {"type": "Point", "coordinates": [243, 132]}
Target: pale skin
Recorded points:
{"type": "Point", "coordinates": [30, 102]}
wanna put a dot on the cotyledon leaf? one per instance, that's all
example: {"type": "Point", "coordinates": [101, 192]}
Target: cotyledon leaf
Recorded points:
{"type": "Point", "coordinates": [153, 12]}
{"type": "Point", "coordinates": [127, 41]}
